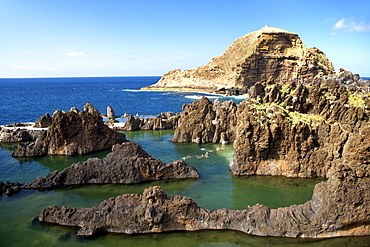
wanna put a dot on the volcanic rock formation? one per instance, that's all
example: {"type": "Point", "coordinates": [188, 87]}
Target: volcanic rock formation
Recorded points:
{"type": "Point", "coordinates": [165, 120]}
{"type": "Point", "coordinates": [251, 58]}
{"type": "Point", "coordinates": [9, 188]}
{"type": "Point", "coordinates": [11, 133]}
{"type": "Point", "coordinates": [128, 163]}
{"type": "Point", "coordinates": [339, 207]}
{"type": "Point", "coordinates": [286, 129]}
{"type": "Point", "coordinates": [71, 133]}
{"type": "Point", "coordinates": [203, 121]}
{"type": "Point", "coordinates": [44, 121]}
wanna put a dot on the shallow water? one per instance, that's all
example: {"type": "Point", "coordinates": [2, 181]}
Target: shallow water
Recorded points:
{"type": "Point", "coordinates": [216, 188]}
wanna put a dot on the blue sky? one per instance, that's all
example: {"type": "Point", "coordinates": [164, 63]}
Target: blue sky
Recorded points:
{"type": "Point", "coordinates": [47, 38]}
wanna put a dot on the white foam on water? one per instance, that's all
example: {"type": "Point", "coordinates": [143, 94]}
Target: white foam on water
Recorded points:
{"type": "Point", "coordinates": [201, 96]}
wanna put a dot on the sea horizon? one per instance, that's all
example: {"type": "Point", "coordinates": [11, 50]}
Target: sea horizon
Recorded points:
{"type": "Point", "coordinates": [102, 76]}
{"type": "Point", "coordinates": [87, 76]}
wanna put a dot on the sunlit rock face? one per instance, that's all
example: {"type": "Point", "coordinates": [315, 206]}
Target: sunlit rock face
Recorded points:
{"type": "Point", "coordinates": [254, 57]}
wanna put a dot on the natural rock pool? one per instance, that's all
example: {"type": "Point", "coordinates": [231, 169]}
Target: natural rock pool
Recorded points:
{"type": "Point", "coordinates": [216, 188]}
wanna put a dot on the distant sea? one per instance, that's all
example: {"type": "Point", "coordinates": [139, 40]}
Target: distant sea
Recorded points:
{"type": "Point", "coordinates": [24, 100]}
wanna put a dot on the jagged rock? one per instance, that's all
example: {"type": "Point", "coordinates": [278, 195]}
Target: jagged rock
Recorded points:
{"type": "Point", "coordinates": [9, 188]}
{"type": "Point", "coordinates": [44, 121]}
{"type": "Point", "coordinates": [20, 134]}
{"type": "Point", "coordinates": [110, 114]}
{"type": "Point", "coordinates": [74, 109]}
{"type": "Point", "coordinates": [299, 131]}
{"type": "Point", "coordinates": [165, 120]}
{"type": "Point", "coordinates": [339, 207]}
{"type": "Point", "coordinates": [203, 121]}
{"type": "Point", "coordinates": [133, 123]}
{"type": "Point", "coordinates": [128, 163]}
{"type": "Point", "coordinates": [283, 129]}
{"type": "Point", "coordinates": [166, 115]}
{"type": "Point", "coordinates": [268, 52]}
{"type": "Point", "coordinates": [73, 133]}
{"type": "Point", "coordinates": [161, 122]}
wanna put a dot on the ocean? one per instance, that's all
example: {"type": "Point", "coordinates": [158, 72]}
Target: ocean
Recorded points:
{"type": "Point", "coordinates": [24, 100]}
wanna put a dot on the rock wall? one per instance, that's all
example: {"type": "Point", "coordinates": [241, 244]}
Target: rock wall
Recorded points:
{"type": "Point", "coordinates": [286, 129]}
{"type": "Point", "coordinates": [128, 163]}
{"type": "Point", "coordinates": [300, 131]}
{"type": "Point", "coordinates": [339, 207]}
{"type": "Point", "coordinates": [254, 57]}
{"type": "Point", "coordinates": [71, 133]}
{"type": "Point", "coordinates": [203, 121]}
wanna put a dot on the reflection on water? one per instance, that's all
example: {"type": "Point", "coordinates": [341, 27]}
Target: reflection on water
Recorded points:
{"type": "Point", "coordinates": [216, 188]}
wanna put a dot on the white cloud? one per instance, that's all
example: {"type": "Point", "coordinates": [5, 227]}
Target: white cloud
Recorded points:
{"type": "Point", "coordinates": [351, 26]}
{"type": "Point", "coordinates": [19, 67]}
{"type": "Point", "coordinates": [76, 54]}
{"type": "Point", "coordinates": [44, 68]}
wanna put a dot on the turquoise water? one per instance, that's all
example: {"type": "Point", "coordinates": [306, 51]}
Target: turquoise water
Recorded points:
{"type": "Point", "coordinates": [28, 99]}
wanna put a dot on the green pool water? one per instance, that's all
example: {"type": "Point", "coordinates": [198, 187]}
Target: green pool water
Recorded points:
{"type": "Point", "coordinates": [216, 188]}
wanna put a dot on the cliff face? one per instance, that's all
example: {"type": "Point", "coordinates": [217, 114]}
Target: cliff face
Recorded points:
{"type": "Point", "coordinates": [286, 129]}
{"type": "Point", "coordinates": [204, 121]}
{"type": "Point", "coordinates": [251, 58]}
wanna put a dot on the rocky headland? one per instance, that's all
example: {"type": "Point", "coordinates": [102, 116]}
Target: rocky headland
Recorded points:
{"type": "Point", "coordinates": [299, 120]}
{"type": "Point", "coordinates": [71, 133]}
{"type": "Point", "coordinates": [339, 207]}
{"type": "Point", "coordinates": [257, 56]}
{"type": "Point", "coordinates": [128, 163]}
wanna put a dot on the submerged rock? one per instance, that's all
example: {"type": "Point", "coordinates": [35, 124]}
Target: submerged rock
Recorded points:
{"type": "Point", "coordinates": [339, 207]}
{"type": "Point", "coordinates": [128, 163]}
{"type": "Point", "coordinates": [72, 133]}
{"type": "Point", "coordinates": [9, 188]}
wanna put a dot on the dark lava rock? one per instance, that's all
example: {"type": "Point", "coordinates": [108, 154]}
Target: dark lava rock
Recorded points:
{"type": "Point", "coordinates": [203, 121]}
{"type": "Point", "coordinates": [339, 207]}
{"type": "Point", "coordinates": [128, 163]}
{"type": "Point", "coordinates": [44, 121]}
{"type": "Point", "coordinates": [73, 133]}
{"type": "Point", "coordinates": [9, 188]}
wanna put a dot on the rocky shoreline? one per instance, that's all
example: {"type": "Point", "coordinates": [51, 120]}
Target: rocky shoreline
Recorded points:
{"type": "Point", "coordinates": [333, 147]}
{"type": "Point", "coordinates": [346, 195]}
{"type": "Point", "coordinates": [298, 120]}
